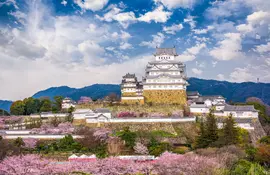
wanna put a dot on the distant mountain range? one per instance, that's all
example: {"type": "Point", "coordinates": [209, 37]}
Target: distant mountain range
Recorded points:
{"type": "Point", "coordinates": [237, 92]}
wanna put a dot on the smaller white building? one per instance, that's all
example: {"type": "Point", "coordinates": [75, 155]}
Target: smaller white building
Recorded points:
{"type": "Point", "coordinates": [67, 103]}
{"type": "Point", "coordinates": [98, 115]}
{"type": "Point", "coordinates": [238, 111]}
{"type": "Point", "coordinates": [199, 108]}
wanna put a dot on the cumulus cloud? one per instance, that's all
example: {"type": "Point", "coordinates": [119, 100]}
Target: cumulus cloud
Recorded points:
{"type": "Point", "coordinates": [93, 5]}
{"type": "Point", "coordinates": [203, 31]}
{"type": "Point", "coordinates": [125, 45]}
{"type": "Point", "coordinates": [157, 15]}
{"type": "Point", "coordinates": [196, 71]}
{"type": "Point", "coordinates": [257, 22]}
{"type": "Point", "coordinates": [172, 4]}
{"type": "Point", "coordinates": [263, 48]}
{"type": "Point", "coordinates": [191, 53]}
{"type": "Point", "coordinates": [117, 14]}
{"type": "Point", "coordinates": [229, 48]}
{"type": "Point", "coordinates": [220, 77]}
{"type": "Point", "coordinates": [173, 29]}
{"type": "Point", "coordinates": [158, 39]}
{"type": "Point", "coordinates": [64, 2]}
{"type": "Point", "coordinates": [61, 50]}
{"type": "Point", "coordinates": [190, 20]}
{"type": "Point", "coordinates": [242, 75]}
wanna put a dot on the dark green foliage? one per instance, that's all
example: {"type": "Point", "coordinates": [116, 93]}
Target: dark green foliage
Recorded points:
{"type": "Point", "coordinates": [100, 151]}
{"type": "Point", "coordinates": [57, 104]}
{"type": "Point", "coordinates": [211, 129]}
{"type": "Point", "coordinates": [156, 148]}
{"type": "Point", "coordinates": [251, 153]}
{"type": "Point", "coordinates": [46, 105]}
{"type": "Point", "coordinates": [265, 140]}
{"type": "Point", "coordinates": [244, 167]}
{"type": "Point", "coordinates": [229, 134]}
{"type": "Point", "coordinates": [128, 136]}
{"type": "Point", "coordinates": [32, 106]}
{"type": "Point", "coordinates": [65, 144]}
{"type": "Point", "coordinates": [17, 108]}
{"type": "Point", "coordinates": [208, 132]}
{"type": "Point", "coordinates": [201, 141]}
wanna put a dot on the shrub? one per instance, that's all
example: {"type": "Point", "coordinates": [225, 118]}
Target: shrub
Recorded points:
{"type": "Point", "coordinates": [180, 149]}
{"type": "Point", "coordinates": [128, 136]}
{"type": "Point", "coordinates": [265, 140]}
{"type": "Point", "coordinates": [244, 167]}
{"type": "Point", "coordinates": [263, 154]}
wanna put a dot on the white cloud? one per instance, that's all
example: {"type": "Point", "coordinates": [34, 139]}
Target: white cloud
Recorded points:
{"type": "Point", "coordinates": [173, 29]}
{"type": "Point", "coordinates": [123, 35]}
{"type": "Point", "coordinates": [116, 14]}
{"type": "Point", "coordinates": [220, 77]}
{"type": "Point", "coordinates": [125, 45]}
{"type": "Point", "coordinates": [9, 2]}
{"type": "Point", "coordinates": [190, 20]}
{"type": "Point", "coordinates": [242, 75]}
{"type": "Point", "coordinates": [229, 48]}
{"type": "Point", "coordinates": [263, 48]}
{"type": "Point", "coordinates": [158, 39]}
{"type": "Point", "coordinates": [196, 71]}
{"type": "Point", "coordinates": [191, 53]}
{"type": "Point", "coordinates": [172, 4]}
{"type": "Point", "coordinates": [257, 22]}
{"type": "Point", "coordinates": [157, 15]}
{"type": "Point", "coordinates": [203, 31]}
{"type": "Point", "coordinates": [223, 9]}
{"type": "Point", "coordinates": [93, 5]}
{"type": "Point", "coordinates": [64, 2]}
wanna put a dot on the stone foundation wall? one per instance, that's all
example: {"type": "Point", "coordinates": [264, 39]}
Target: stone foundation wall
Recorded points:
{"type": "Point", "coordinates": [168, 127]}
{"type": "Point", "coordinates": [165, 96]}
{"type": "Point", "coordinates": [141, 101]}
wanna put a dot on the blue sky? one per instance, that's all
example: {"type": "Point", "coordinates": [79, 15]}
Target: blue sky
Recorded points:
{"type": "Point", "coordinates": [82, 42]}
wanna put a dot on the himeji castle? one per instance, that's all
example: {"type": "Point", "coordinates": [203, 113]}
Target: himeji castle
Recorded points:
{"type": "Point", "coordinates": [165, 81]}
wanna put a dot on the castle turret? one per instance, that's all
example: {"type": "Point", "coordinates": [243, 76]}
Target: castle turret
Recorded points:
{"type": "Point", "coordinates": [131, 90]}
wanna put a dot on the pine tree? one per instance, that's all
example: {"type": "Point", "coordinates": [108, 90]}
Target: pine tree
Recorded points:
{"type": "Point", "coordinates": [230, 132]}
{"type": "Point", "coordinates": [201, 141]}
{"type": "Point", "coordinates": [211, 129]}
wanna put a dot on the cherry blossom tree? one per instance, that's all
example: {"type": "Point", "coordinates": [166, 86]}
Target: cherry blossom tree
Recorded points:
{"type": "Point", "coordinates": [102, 134]}
{"type": "Point", "coordinates": [140, 149]}
{"type": "Point", "coordinates": [126, 114]}
{"type": "Point", "coordinates": [30, 143]}
{"type": "Point", "coordinates": [62, 128]}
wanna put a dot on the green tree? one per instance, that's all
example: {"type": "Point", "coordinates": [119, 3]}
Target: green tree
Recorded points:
{"type": "Point", "coordinates": [211, 129]}
{"type": "Point", "coordinates": [201, 141]}
{"type": "Point", "coordinates": [17, 108]}
{"type": "Point", "coordinates": [57, 104]}
{"type": "Point", "coordinates": [32, 105]}
{"type": "Point", "coordinates": [129, 137]}
{"type": "Point", "coordinates": [46, 105]}
{"type": "Point", "coordinates": [230, 134]}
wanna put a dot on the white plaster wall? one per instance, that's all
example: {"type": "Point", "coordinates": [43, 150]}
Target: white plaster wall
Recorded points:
{"type": "Point", "coordinates": [199, 110]}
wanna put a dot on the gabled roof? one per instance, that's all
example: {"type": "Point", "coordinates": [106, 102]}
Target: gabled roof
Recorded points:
{"type": "Point", "coordinates": [102, 110]}
{"type": "Point", "coordinates": [209, 97]}
{"type": "Point", "coordinates": [240, 108]}
{"type": "Point", "coordinates": [128, 75]}
{"type": "Point", "coordinates": [193, 93]}
{"type": "Point", "coordinates": [166, 51]}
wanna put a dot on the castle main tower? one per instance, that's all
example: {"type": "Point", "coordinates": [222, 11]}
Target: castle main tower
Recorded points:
{"type": "Point", "coordinates": [165, 80]}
